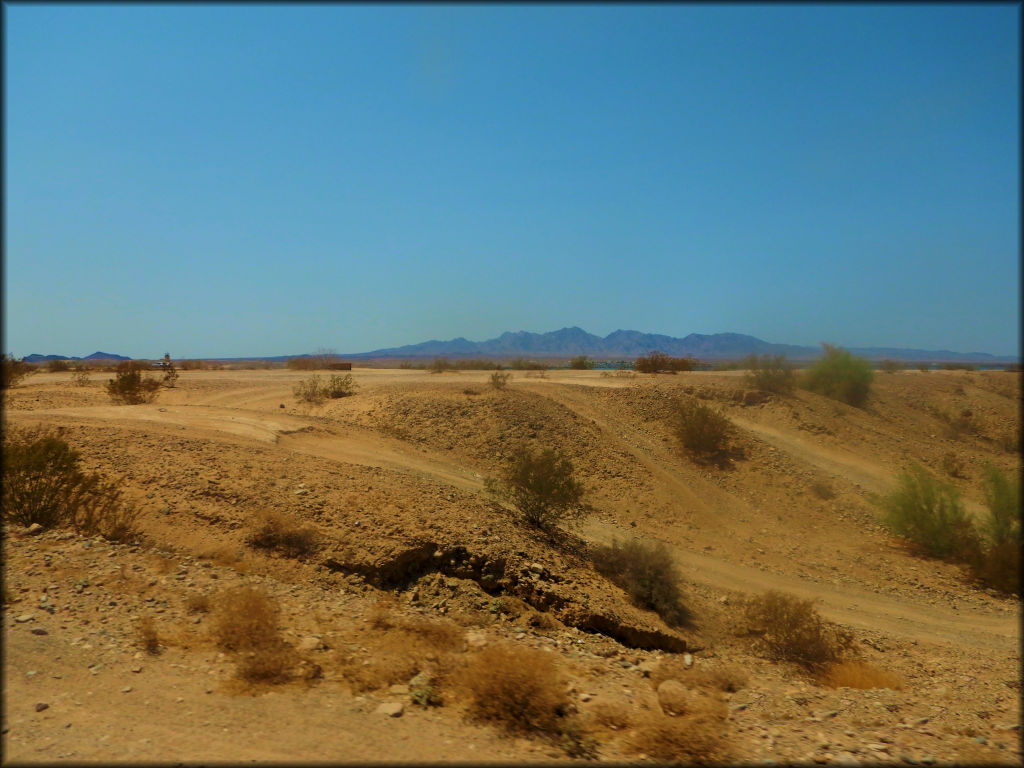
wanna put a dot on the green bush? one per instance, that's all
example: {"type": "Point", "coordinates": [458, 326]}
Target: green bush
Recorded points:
{"type": "Point", "coordinates": [702, 431]}
{"type": "Point", "coordinates": [13, 371]}
{"type": "Point", "coordinates": [929, 513]}
{"type": "Point", "coordinates": [840, 375]}
{"type": "Point", "coordinates": [541, 485]}
{"type": "Point", "coordinates": [581, 363]}
{"type": "Point", "coordinates": [998, 565]}
{"type": "Point", "coordinates": [43, 484]}
{"type": "Point", "coordinates": [770, 373]}
{"type": "Point", "coordinates": [340, 386]}
{"type": "Point", "coordinates": [648, 575]}
{"type": "Point", "coordinates": [129, 386]}
{"type": "Point", "coordinates": [314, 391]}
{"type": "Point", "coordinates": [656, 362]}
{"type": "Point", "coordinates": [790, 629]}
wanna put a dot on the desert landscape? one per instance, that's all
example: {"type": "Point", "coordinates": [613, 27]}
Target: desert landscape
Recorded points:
{"type": "Point", "coordinates": [408, 595]}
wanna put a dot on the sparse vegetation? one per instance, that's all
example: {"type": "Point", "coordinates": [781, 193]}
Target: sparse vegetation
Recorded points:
{"type": "Point", "coordinates": [581, 363]}
{"type": "Point", "coordinates": [149, 639]}
{"type": "Point", "coordinates": [440, 365]}
{"type": "Point", "coordinates": [839, 375]}
{"type": "Point", "coordinates": [823, 490]}
{"type": "Point", "coordinates": [129, 386]}
{"type": "Point", "coordinates": [790, 629]}
{"type": "Point", "coordinates": [80, 377]}
{"type": "Point", "coordinates": [648, 575]}
{"type": "Point", "coordinates": [170, 378]}
{"type": "Point", "coordinates": [890, 366]}
{"type": "Point", "coordinates": [320, 360]}
{"type": "Point", "coordinates": [657, 362]}
{"type": "Point", "coordinates": [43, 484]}
{"type": "Point", "coordinates": [928, 512]}
{"type": "Point", "coordinates": [279, 532]}
{"type": "Point", "coordinates": [246, 623]}
{"type": "Point", "coordinates": [522, 364]}
{"type": "Point", "coordinates": [58, 366]}
{"type": "Point", "coordinates": [542, 486]}
{"type": "Point", "coordinates": [12, 371]}
{"type": "Point", "coordinates": [499, 379]}
{"type": "Point", "coordinates": [517, 687]}
{"type": "Point", "coordinates": [959, 367]}
{"type": "Point", "coordinates": [998, 563]}
{"type": "Point", "coordinates": [770, 373]}
{"type": "Point", "coordinates": [314, 391]}
{"type": "Point", "coordinates": [702, 431]}
{"type": "Point", "coordinates": [696, 739]}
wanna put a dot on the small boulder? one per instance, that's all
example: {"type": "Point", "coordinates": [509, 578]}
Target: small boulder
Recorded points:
{"type": "Point", "coordinates": [391, 708]}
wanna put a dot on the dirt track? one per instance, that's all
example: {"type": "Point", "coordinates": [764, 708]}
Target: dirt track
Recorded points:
{"type": "Point", "coordinates": [734, 531]}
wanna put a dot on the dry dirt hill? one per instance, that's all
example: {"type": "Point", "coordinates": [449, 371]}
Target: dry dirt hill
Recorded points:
{"type": "Point", "coordinates": [111, 652]}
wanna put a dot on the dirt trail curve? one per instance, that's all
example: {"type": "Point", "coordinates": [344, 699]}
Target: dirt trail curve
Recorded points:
{"type": "Point", "coordinates": [850, 605]}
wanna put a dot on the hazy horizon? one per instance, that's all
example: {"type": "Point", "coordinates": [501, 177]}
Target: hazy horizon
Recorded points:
{"type": "Point", "coordinates": [252, 181]}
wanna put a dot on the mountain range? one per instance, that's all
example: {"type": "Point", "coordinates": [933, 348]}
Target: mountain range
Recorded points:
{"type": "Point", "coordinates": [618, 345]}
{"type": "Point", "coordinates": [34, 358]}
{"type": "Point", "coordinates": [628, 345]}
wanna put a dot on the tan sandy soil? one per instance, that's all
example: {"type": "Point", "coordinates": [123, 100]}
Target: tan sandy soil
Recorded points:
{"type": "Point", "coordinates": [392, 480]}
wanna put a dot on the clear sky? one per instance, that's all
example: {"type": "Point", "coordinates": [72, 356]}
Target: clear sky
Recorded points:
{"type": "Point", "coordinates": [231, 180]}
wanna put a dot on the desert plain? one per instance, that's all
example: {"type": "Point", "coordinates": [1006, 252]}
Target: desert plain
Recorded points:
{"type": "Point", "coordinates": [417, 571]}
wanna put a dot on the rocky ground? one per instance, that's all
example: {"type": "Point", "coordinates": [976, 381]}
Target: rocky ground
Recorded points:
{"type": "Point", "coordinates": [418, 571]}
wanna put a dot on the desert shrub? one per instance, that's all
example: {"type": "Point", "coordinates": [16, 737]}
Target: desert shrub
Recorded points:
{"type": "Point", "coordinates": [499, 379]}
{"type": "Point", "coordinates": [80, 377]}
{"type": "Point", "coordinates": [129, 386]}
{"type": "Point", "coordinates": [12, 371]}
{"type": "Point", "coordinates": [997, 565]}
{"type": "Point", "coordinates": [648, 575]}
{"type": "Point", "coordinates": [517, 687]}
{"type": "Point", "coordinates": [440, 365]}
{"type": "Point", "coordinates": [197, 602]}
{"type": "Point", "coordinates": [858, 674]}
{"type": "Point", "coordinates": [170, 376]}
{"type": "Point", "coordinates": [959, 367]}
{"type": "Point", "coordinates": [193, 365]}
{"type": "Point", "coordinates": [310, 391]}
{"type": "Point", "coordinates": [929, 513]}
{"type": "Point", "coordinates": [339, 386]}
{"type": "Point", "coordinates": [246, 623]}
{"type": "Point", "coordinates": [839, 375]}
{"type": "Point", "coordinates": [702, 431]}
{"type": "Point", "coordinates": [148, 637]}
{"type": "Point", "coordinates": [890, 366]}
{"type": "Point", "coordinates": [770, 373]}
{"type": "Point", "coordinates": [317, 361]}
{"type": "Point", "coordinates": [696, 739]}
{"type": "Point", "coordinates": [790, 629]}
{"type": "Point", "coordinates": [522, 364]}
{"type": "Point", "coordinates": [542, 486]}
{"type": "Point", "coordinates": [656, 362]}
{"type": "Point", "coordinates": [474, 364]}
{"type": "Point", "coordinates": [43, 483]}
{"type": "Point", "coordinates": [279, 532]}
{"type": "Point", "coordinates": [58, 366]}
{"type": "Point", "coordinates": [581, 363]}
{"type": "Point", "coordinates": [952, 465]}
{"type": "Point", "coordinates": [924, 367]}
{"type": "Point", "coordinates": [823, 490]}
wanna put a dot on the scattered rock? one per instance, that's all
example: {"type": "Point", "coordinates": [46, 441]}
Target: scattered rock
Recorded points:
{"type": "Point", "coordinates": [310, 644]}
{"type": "Point", "coordinates": [399, 690]}
{"type": "Point", "coordinates": [41, 706]}
{"type": "Point", "coordinates": [391, 708]}
{"type": "Point", "coordinates": [38, 631]}
{"type": "Point", "coordinates": [25, 617]}
{"type": "Point", "coordinates": [34, 529]}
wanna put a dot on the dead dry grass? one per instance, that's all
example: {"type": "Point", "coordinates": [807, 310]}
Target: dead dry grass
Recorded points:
{"type": "Point", "coordinates": [694, 739]}
{"type": "Point", "coordinates": [520, 688]}
{"type": "Point", "coordinates": [246, 624]}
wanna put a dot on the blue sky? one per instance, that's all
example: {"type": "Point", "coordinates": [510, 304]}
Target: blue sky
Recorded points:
{"type": "Point", "coordinates": [231, 180]}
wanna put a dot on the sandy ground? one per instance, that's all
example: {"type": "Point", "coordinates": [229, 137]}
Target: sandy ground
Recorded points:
{"type": "Point", "coordinates": [401, 465]}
